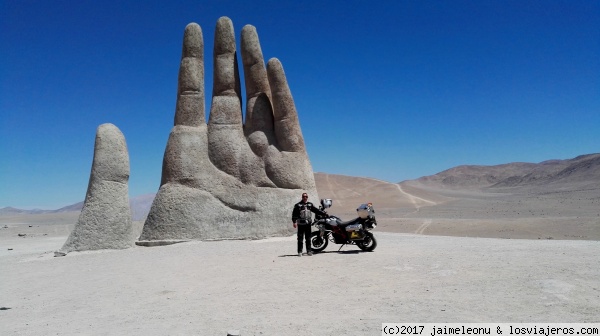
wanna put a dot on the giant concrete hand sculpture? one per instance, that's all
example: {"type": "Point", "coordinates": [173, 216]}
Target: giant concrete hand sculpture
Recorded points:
{"type": "Point", "coordinates": [230, 179]}
{"type": "Point", "coordinates": [105, 220]}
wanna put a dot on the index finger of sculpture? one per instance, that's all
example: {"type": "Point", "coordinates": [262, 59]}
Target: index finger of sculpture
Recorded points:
{"type": "Point", "coordinates": [255, 75]}
{"type": "Point", "coordinates": [189, 110]}
{"type": "Point", "coordinates": [287, 126]}
{"type": "Point", "coordinates": [258, 126]}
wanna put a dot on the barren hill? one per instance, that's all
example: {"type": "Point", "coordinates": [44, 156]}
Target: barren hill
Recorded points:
{"type": "Point", "coordinates": [554, 199]}
{"type": "Point", "coordinates": [582, 169]}
{"type": "Point", "coordinates": [14, 211]}
{"type": "Point", "coordinates": [349, 192]}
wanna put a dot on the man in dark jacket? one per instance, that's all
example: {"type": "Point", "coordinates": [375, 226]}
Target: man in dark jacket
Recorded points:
{"type": "Point", "coordinates": [302, 219]}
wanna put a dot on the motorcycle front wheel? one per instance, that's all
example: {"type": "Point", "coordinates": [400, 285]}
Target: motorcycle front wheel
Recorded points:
{"type": "Point", "coordinates": [368, 244]}
{"type": "Point", "coordinates": [318, 243]}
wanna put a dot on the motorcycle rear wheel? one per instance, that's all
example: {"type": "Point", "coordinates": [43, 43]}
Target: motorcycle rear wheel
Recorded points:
{"type": "Point", "coordinates": [368, 244]}
{"type": "Point", "coordinates": [318, 243]}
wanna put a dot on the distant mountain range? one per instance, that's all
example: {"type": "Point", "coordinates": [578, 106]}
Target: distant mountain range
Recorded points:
{"type": "Point", "coordinates": [15, 211]}
{"type": "Point", "coordinates": [582, 170]}
{"type": "Point", "coordinates": [140, 206]}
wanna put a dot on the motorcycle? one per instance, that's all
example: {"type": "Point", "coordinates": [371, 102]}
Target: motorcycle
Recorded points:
{"type": "Point", "coordinates": [352, 232]}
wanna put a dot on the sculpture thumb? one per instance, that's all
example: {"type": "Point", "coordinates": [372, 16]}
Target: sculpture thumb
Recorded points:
{"type": "Point", "coordinates": [105, 220]}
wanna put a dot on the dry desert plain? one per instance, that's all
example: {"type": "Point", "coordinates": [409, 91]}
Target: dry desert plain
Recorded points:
{"type": "Point", "coordinates": [446, 253]}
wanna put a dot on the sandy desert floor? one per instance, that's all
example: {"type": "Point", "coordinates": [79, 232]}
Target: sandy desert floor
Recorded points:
{"type": "Point", "coordinates": [554, 211]}
{"type": "Point", "coordinates": [262, 288]}
{"type": "Point", "coordinates": [442, 256]}
{"type": "Point", "coordinates": [513, 213]}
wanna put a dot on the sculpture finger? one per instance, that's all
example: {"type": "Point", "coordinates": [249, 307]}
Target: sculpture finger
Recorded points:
{"type": "Point", "coordinates": [189, 110]}
{"type": "Point", "coordinates": [226, 98]}
{"type": "Point", "coordinates": [105, 220]}
{"type": "Point", "coordinates": [227, 146]}
{"type": "Point", "coordinates": [287, 126]}
{"type": "Point", "coordinates": [254, 64]}
{"type": "Point", "coordinates": [258, 126]}
{"type": "Point", "coordinates": [225, 123]}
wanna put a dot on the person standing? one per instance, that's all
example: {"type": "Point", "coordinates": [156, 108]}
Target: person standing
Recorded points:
{"type": "Point", "coordinates": [302, 219]}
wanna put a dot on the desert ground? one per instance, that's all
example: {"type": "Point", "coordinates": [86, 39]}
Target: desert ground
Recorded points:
{"type": "Point", "coordinates": [444, 255]}
{"type": "Point", "coordinates": [558, 211]}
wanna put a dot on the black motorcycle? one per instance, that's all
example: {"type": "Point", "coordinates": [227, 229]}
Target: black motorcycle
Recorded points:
{"type": "Point", "coordinates": [352, 232]}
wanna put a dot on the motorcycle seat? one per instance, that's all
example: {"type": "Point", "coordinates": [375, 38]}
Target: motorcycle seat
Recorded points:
{"type": "Point", "coordinates": [350, 222]}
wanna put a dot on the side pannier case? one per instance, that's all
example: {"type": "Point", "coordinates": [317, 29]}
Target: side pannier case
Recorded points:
{"type": "Point", "coordinates": [366, 211]}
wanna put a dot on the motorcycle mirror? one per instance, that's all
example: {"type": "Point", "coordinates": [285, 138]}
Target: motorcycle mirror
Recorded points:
{"type": "Point", "coordinates": [326, 203]}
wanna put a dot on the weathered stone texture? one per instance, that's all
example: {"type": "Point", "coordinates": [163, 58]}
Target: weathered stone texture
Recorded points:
{"type": "Point", "coordinates": [105, 220]}
{"type": "Point", "coordinates": [230, 178]}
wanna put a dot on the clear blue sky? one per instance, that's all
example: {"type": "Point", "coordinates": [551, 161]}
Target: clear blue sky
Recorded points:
{"type": "Point", "coordinates": [392, 90]}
